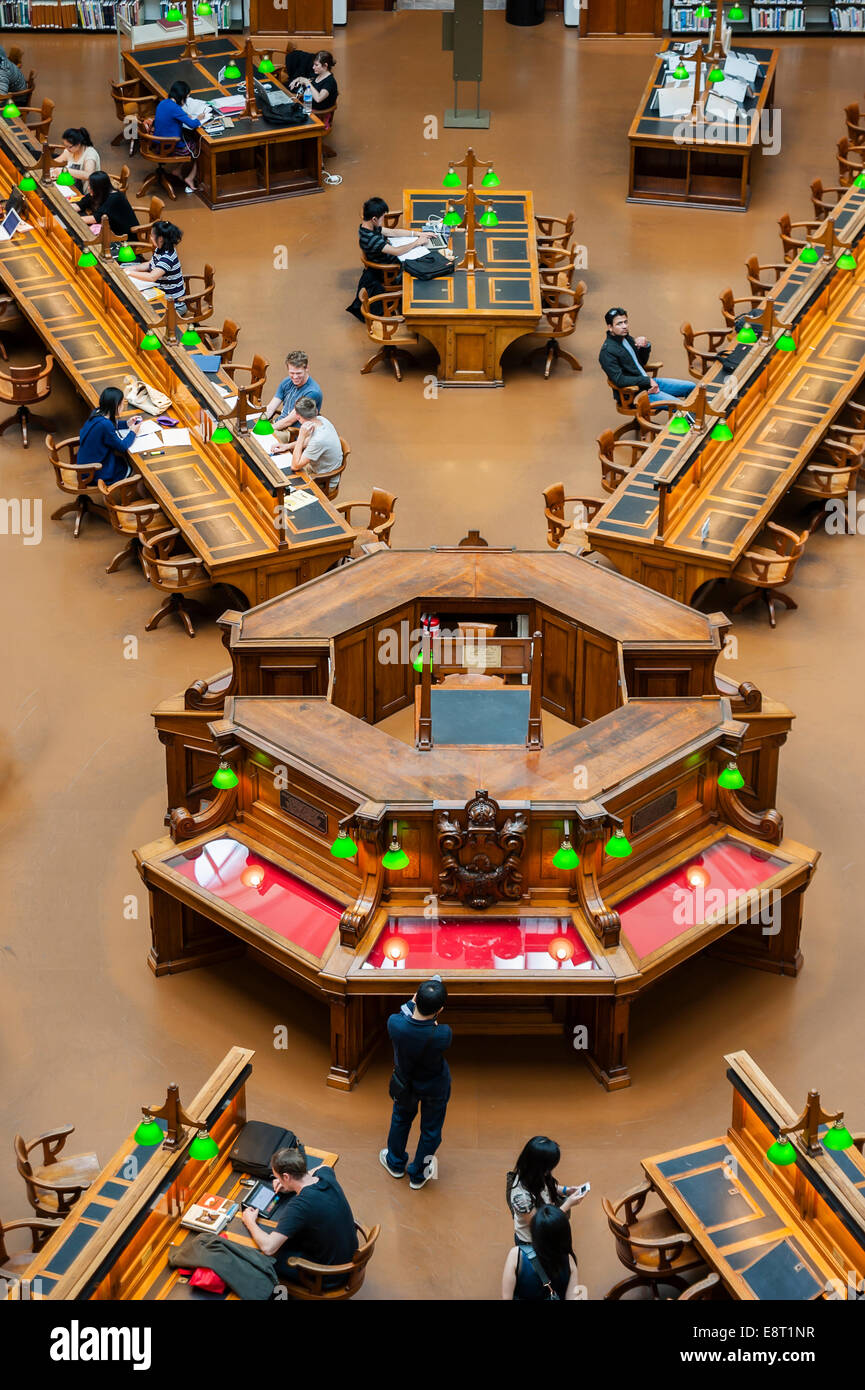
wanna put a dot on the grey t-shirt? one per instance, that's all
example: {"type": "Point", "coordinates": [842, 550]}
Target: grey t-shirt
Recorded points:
{"type": "Point", "coordinates": [323, 450]}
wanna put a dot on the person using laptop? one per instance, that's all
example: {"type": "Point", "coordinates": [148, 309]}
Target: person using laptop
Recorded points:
{"type": "Point", "coordinates": [297, 383]}
{"type": "Point", "coordinates": [316, 1225]}
{"type": "Point", "coordinates": [317, 450]}
{"type": "Point", "coordinates": [313, 72]}
{"type": "Point", "coordinates": [623, 360]}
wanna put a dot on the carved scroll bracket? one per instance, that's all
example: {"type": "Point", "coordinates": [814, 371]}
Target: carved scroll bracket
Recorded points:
{"type": "Point", "coordinates": [766, 824]}
{"type": "Point", "coordinates": [592, 823]}
{"type": "Point", "coordinates": [184, 824]}
{"type": "Point", "coordinates": [366, 829]}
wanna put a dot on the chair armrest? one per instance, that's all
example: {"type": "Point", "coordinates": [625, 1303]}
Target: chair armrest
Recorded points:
{"type": "Point", "coordinates": [34, 1225]}
{"type": "Point", "coordinates": [295, 1262]}
{"type": "Point", "coordinates": [782, 530]}
{"type": "Point", "coordinates": [54, 1141]}
{"type": "Point", "coordinates": [346, 508]}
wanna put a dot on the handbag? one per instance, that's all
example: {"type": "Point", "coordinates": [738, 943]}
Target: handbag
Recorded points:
{"type": "Point", "coordinates": [429, 266]}
{"type": "Point", "coordinates": [400, 1091]}
{"type": "Point", "coordinates": [256, 1144]}
{"type": "Point", "coordinates": [143, 397]}
{"type": "Point", "coordinates": [208, 1280]}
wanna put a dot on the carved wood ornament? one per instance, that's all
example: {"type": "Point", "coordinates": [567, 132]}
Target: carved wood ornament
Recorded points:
{"type": "Point", "coordinates": [480, 861]}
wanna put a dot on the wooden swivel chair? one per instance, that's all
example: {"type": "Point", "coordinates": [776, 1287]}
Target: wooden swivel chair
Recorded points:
{"type": "Point", "coordinates": [257, 371]}
{"type": "Point", "coordinates": [329, 482]}
{"type": "Point", "coordinates": [791, 244]}
{"type": "Point", "coordinates": [558, 271]}
{"type": "Point", "coordinates": [731, 311]}
{"type": "Point", "coordinates": [386, 327]}
{"type": "Point", "coordinates": [54, 1185]}
{"type": "Point", "coordinates": [381, 507]}
{"type": "Point", "coordinates": [120, 181]}
{"type": "Point", "coordinates": [768, 566]}
{"type": "Point", "coordinates": [851, 161]}
{"type": "Point", "coordinates": [76, 479]}
{"type": "Point", "coordinates": [13, 1264]}
{"type": "Point", "coordinates": [220, 342]}
{"type": "Point", "coordinates": [10, 321]}
{"type": "Point", "coordinates": [175, 572]}
{"type": "Point", "coordinates": [133, 105]}
{"type": "Point", "coordinates": [23, 387]}
{"type": "Point", "coordinates": [619, 451]}
{"type": "Point", "coordinates": [553, 234]}
{"type": "Point", "coordinates": [199, 305]}
{"type": "Point", "coordinates": [652, 1246]}
{"type": "Point", "coordinates": [830, 473]}
{"type": "Point", "coordinates": [164, 153]}
{"type": "Point", "coordinates": [700, 359]}
{"type": "Point", "coordinates": [855, 128]}
{"type": "Point", "coordinates": [757, 274]}
{"type": "Point", "coordinates": [309, 1283]}
{"type": "Point", "coordinates": [561, 309]}
{"type": "Point", "coordinates": [38, 119]}
{"type": "Point", "coordinates": [133, 515]}
{"type": "Point", "coordinates": [825, 199]}
{"type": "Point", "coordinates": [558, 525]}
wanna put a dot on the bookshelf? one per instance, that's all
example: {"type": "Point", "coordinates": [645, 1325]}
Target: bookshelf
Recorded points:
{"type": "Point", "coordinates": [101, 16]}
{"type": "Point", "coordinates": [802, 17]}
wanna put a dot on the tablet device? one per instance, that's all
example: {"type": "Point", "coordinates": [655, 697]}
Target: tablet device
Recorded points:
{"type": "Point", "coordinates": [11, 222]}
{"type": "Point", "coordinates": [262, 1199]}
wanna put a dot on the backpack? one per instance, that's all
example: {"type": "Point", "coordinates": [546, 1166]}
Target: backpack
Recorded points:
{"type": "Point", "coordinates": [256, 1144]}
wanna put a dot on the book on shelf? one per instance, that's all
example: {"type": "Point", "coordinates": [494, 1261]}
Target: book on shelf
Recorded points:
{"type": "Point", "coordinates": [778, 17]}
{"type": "Point", "coordinates": [212, 1214]}
{"type": "Point", "coordinates": [848, 19]}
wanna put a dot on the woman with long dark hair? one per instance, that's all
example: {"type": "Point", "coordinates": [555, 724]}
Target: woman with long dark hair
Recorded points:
{"type": "Point", "coordinates": [100, 441]}
{"type": "Point", "coordinates": [313, 71]}
{"type": "Point", "coordinates": [78, 155]}
{"type": "Point", "coordinates": [102, 199]}
{"type": "Point", "coordinates": [543, 1269]}
{"type": "Point", "coordinates": [163, 268]}
{"type": "Point", "coordinates": [531, 1185]}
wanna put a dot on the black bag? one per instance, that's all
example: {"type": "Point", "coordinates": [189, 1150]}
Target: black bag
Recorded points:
{"type": "Point", "coordinates": [275, 107]}
{"type": "Point", "coordinates": [429, 266]}
{"type": "Point", "coordinates": [550, 1295]}
{"type": "Point", "coordinates": [257, 1143]}
{"type": "Point", "coordinates": [400, 1091]}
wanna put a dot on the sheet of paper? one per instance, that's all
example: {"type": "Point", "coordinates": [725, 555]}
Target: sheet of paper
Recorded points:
{"type": "Point", "coordinates": [148, 427]}
{"type": "Point", "coordinates": [733, 88]}
{"type": "Point", "coordinates": [160, 438]}
{"type": "Point", "coordinates": [675, 101]}
{"type": "Point", "coordinates": [228, 104]}
{"type": "Point", "coordinates": [741, 65]}
{"type": "Point", "coordinates": [413, 255]}
{"type": "Point", "coordinates": [718, 108]}
{"type": "Point", "coordinates": [295, 500]}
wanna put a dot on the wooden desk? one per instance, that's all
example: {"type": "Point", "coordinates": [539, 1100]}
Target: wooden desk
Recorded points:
{"type": "Point", "coordinates": [252, 870]}
{"type": "Point", "coordinates": [470, 317]}
{"type": "Point", "coordinates": [226, 501]}
{"type": "Point", "coordinates": [703, 172]}
{"type": "Point", "coordinates": [114, 1243]}
{"type": "Point", "coordinates": [650, 527]}
{"type": "Point", "coordinates": [783, 1234]}
{"type": "Point", "coordinates": [252, 162]}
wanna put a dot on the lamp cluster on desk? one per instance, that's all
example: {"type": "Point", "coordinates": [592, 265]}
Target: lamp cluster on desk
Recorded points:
{"type": "Point", "coordinates": [782, 1152]}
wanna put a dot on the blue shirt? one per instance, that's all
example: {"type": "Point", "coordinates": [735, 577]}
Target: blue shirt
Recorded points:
{"type": "Point", "coordinates": [100, 442]}
{"type": "Point", "coordinates": [169, 120]}
{"type": "Point", "coordinates": [419, 1047]}
{"type": "Point", "coordinates": [289, 394]}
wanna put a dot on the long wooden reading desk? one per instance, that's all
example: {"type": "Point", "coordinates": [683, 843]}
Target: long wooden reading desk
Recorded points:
{"type": "Point", "coordinates": [704, 170]}
{"type": "Point", "coordinates": [228, 501]}
{"type": "Point", "coordinates": [251, 161]}
{"type": "Point", "coordinates": [470, 317]}
{"type": "Point", "coordinates": [782, 1233]}
{"type": "Point", "coordinates": [692, 506]}
{"type": "Point", "coordinates": [115, 1242]}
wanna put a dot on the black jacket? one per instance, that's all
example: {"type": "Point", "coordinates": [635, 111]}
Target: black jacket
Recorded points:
{"type": "Point", "coordinates": [419, 1049]}
{"type": "Point", "coordinates": [618, 364]}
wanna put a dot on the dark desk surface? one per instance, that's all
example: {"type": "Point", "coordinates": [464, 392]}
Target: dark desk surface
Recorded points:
{"type": "Point", "coordinates": [728, 1208]}
{"type": "Point", "coordinates": [508, 286]}
{"type": "Point", "coordinates": [162, 64]}
{"type": "Point", "coordinates": [648, 126]}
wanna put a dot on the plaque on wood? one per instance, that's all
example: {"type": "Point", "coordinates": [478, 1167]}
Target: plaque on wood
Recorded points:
{"type": "Point", "coordinates": [653, 811]}
{"type": "Point", "coordinates": [303, 811]}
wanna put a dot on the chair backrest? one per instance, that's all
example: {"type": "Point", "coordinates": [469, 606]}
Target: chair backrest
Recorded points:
{"type": "Point", "coordinates": [167, 565]}
{"type": "Point", "coordinates": [160, 149]}
{"type": "Point", "coordinates": [230, 335]}
{"type": "Point", "coordinates": [258, 378]}
{"type": "Point", "coordinates": [852, 116]}
{"type": "Point", "coordinates": [381, 505]}
{"type": "Point", "coordinates": [621, 1234]}
{"type": "Point", "coordinates": [850, 161]}
{"type": "Point", "coordinates": [381, 315]}
{"type": "Point", "coordinates": [704, 1288]}
{"type": "Point", "coordinates": [562, 307]}
{"type": "Point", "coordinates": [152, 213]}
{"type": "Point", "coordinates": [554, 499]}
{"type": "Point", "coordinates": [25, 1167]}
{"type": "Point", "coordinates": [25, 385]}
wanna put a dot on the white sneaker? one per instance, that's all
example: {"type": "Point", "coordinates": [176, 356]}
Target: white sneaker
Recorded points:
{"type": "Point", "coordinates": [382, 1158]}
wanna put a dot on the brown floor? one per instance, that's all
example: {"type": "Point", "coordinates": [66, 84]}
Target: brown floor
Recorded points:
{"type": "Point", "coordinates": [88, 1034]}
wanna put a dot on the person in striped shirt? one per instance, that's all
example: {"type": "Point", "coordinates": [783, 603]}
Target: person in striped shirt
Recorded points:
{"type": "Point", "coordinates": [163, 268]}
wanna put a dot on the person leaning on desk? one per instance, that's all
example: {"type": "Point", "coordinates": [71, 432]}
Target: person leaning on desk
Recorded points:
{"type": "Point", "coordinates": [78, 156]}
{"type": "Point", "coordinates": [104, 200]}
{"type": "Point", "coordinates": [171, 122]}
{"type": "Point", "coordinates": [316, 1224]}
{"type": "Point", "coordinates": [100, 441]}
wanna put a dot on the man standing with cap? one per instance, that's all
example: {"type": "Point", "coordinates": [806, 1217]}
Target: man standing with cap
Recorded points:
{"type": "Point", "coordinates": [421, 1078]}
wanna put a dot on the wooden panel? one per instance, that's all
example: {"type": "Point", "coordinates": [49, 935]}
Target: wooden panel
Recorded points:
{"type": "Point", "coordinates": [598, 668]}
{"type": "Point", "coordinates": [393, 681]}
{"type": "Point", "coordinates": [640, 17]}
{"type": "Point", "coordinates": [352, 689]}
{"type": "Point", "coordinates": [293, 675]}
{"type": "Point", "coordinates": [657, 681]}
{"type": "Point", "coordinates": [560, 664]}
{"type": "Point", "coordinates": [602, 17]}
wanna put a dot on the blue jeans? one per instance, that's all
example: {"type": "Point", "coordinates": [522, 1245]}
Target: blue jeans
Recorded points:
{"type": "Point", "coordinates": [432, 1118]}
{"type": "Point", "coordinates": [671, 389]}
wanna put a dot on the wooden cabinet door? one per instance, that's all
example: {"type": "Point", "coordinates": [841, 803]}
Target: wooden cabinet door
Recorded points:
{"type": "Point", "coordinates": [600, 17]}
{"type": "Point", "coordinates": [560, 658]}
{"type": "Point", "coordinates": [268, 17]}
{"type": "Point", "coordinates": [639, 17]}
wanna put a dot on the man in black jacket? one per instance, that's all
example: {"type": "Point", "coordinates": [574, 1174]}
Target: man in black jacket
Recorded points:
{"type": "Point", "coordinates": [421, 1077]}
{"type": "Point", "coordinates": [624, 358]}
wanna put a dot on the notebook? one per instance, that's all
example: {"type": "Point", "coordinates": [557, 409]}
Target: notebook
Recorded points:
{"type": "Point", "coordinates": [207, 361]}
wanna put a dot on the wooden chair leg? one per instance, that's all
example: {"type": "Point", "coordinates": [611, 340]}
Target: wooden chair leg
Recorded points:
{"type": "Point", "coordinates": [569, 358]}
{"type": "Point", "coordinates": [3, 353]}
{"type": "Point", "coordinates": [128, 552]}
{"type": "Point", "coordinates": [746, 600]}
{"type": "Point", "coordinates": [119, 139]}
{"type": "Point", "coordinates": [175, 603]}
{"type": "Point", "coordinates": [380, 356]}
{"type": "Point", "coordinates": [394, 362]}
{"type": "Point", "coordinates": [24, 419]}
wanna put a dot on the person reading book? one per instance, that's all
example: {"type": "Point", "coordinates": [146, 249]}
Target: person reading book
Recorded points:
{"type": "Point", "coordinates": [317, 1224]}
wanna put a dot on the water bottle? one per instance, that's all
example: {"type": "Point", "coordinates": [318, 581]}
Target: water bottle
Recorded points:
{"type": "Point", "coordinates": [307, 101]}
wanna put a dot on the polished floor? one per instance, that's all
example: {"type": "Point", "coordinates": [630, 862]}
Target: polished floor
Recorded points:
{"type": "Point", "coordinates": [88, 1035]}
